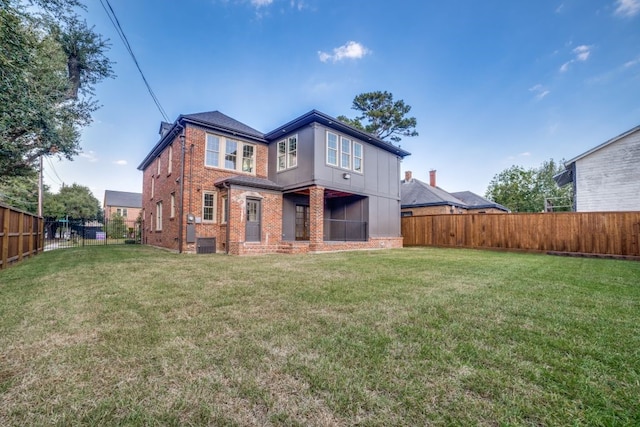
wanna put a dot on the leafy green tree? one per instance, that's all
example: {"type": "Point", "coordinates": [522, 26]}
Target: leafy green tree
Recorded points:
{"type": "Point", "coordinates": [75, 202]}
{"type": "Point", "coordinates": [117, 227]}
{"type": "Point", "coordinates": [47, 58]}
{"type": "Point", "coordinates": [529, 190]}
{"type": "Point", "coordinates": [21, 192]}
{"type": "Point", "coordinates": [385, 118]}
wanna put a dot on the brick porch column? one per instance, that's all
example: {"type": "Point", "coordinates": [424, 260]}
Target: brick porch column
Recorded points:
{"type": "Point", "coordinates": [316, 217]}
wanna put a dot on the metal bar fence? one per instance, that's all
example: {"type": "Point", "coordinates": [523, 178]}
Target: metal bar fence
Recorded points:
{"type": "Point", "coordinates": [62, 234]}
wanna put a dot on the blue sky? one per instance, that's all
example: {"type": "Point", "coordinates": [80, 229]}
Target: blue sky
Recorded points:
{"type": "Point", "coordinates": [492, 83]}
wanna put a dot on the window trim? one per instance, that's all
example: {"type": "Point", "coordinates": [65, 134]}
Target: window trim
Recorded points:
{"type": "Point", "coordinates": [361, 157]}
{"type": "Point", "coordinates": [159, 215]}
{"type": "Point", "coordinates": [223, 215]}
{"type": "Point", "coordinates": [337, 149]}
{"type": "Point", "coordinates": [213, 206]}
{"type": "Point", "coordinates": [342, 153]}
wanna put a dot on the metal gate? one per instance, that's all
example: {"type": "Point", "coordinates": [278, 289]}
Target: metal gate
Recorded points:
{"type": "Point", "coordinates": [65, 233]}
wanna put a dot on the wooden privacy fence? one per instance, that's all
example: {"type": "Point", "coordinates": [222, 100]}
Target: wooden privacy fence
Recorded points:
{"type": "Point", "coordinates": [21, 235]}
{"type": "Point", "coordinates": [611, 233]}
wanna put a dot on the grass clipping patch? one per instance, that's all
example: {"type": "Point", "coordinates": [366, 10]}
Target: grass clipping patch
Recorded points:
{"type": "Point", "coordinates": [133, 335]}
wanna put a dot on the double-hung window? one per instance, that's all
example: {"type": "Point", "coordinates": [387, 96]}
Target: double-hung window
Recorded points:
{"type": "Point", "coordinates": [345, 153]}
{"type": "Point", "coordinates": [209, 206]}
{"type": "Point", "coordinates": [357, 157]}
{"type": "Point", "coordinates": [159, 216]}
{"type": "Point", "coordinates": [224, 209]}
{"type": "Point", "coordinates": [212, 151]}
{"type": "Point", "coordinates": [231, 154]}
{"type": "Point", "coordinates": [173, 205]}
{"type": "Point", "coordinates": [332, 149]}
{"type": "Point", "coordinates": [288, 153]}
{"type": "Point", "coordinates": [247, 158]}
{"type": "Point", "coordinates": [170, 161]}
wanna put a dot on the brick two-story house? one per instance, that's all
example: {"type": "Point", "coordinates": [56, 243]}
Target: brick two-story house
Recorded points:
{"type": "Point", "coordinates": [314, 184]}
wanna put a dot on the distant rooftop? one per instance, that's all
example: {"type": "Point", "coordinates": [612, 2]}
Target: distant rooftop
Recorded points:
{"type": "Point", "coordinates": [122, 199]}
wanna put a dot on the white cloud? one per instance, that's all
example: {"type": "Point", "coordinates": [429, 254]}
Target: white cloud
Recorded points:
{"type": "Point", "coordinates": [261, 3]}
{"type": "Point", "coordinates": [120, 162]}
{"type": "Point", "coordinates": [350, 50]}
{"type": "Point", "coordinates": [581, 54]}
{"type": "Point", "coordinates": [525, 154]}
{"type": "Point", "coordinates": [632, 63]}
{"type": "Point", "coordinates": [540, 91]}
{"type": "Point", "coordinates": [627, 8]}
{"type": "Point", "coordinates": [89, 155]}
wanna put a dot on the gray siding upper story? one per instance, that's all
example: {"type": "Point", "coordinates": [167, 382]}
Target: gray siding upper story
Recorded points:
{"type": "Point", "coordinates": [380, 172]}
{"type": "Point", "coordinates": [608, 178]}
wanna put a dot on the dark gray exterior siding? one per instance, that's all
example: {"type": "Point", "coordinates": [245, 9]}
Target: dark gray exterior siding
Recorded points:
{"type": "Point", "coordinates": [379, 182]}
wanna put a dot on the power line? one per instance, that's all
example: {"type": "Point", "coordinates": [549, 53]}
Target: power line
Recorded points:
{"type": "Point", "coordinates": [54, 171]}
{"type": "Point", "coordinates": [116, 24]}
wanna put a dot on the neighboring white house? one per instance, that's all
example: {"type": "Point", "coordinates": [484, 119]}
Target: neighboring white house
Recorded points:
{"type": "Point", "coordinates": [607, 177]}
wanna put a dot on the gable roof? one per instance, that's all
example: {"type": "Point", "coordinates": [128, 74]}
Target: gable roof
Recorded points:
{"type": "Point", "coordinates": [417, 194]}
{"type": "Point", "coordinates": [474, 201]}
{"type": "Point", "coordinates": [566, 176]}
{"type": "Point", "coordinates": [213, 120]}
{"type": "Point", "coordinates": [122, 199]}
{"type": "Point", "coordinates": [331, 122]}
{"type": "Point", "coordinates": [223, 122]}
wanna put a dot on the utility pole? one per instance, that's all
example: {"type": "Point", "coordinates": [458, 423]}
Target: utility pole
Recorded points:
{"type": "Point", "coordinates": [40, 189]}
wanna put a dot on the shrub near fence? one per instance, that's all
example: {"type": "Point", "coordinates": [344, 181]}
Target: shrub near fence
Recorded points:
{"type": "Point", "coordinates": [611, 233]}
{"type": "Point", "coordinates": [20, 235]}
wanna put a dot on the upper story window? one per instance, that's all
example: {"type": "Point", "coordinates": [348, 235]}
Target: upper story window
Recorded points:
{"type": "Point", "coordinates": [212, 151]}
{"type": "Point", "coordinates": [122, 212]}
{"type": "Point", "coordinates": [247, 158]}
{"type": "Point", "coordinates": [332, 149]}
{"type": "Point", "coordinates": [221, 152]}
{"type": "Point", "coordinates": [288, 153]}
{"type": "Point", "coordinates": [173, 205]}
{"type": "Point", "coordinates": [357, 157]}
{"type": "Point", "coordinates": [170, 161]}
{"type": "Point", "coordinates": [158, 167]}
{"type": "Point", "coordinates": [344, 152]}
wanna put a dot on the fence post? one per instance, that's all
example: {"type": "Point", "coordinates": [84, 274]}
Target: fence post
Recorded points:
{"type": "Point", "coordinates": [5, 237]}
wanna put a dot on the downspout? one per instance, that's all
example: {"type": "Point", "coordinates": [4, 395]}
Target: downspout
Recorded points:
{"type": "Point", "coordinates": [228, 210]}
{"type": "Point", "coordinates": [190, 175]}
{"type": "Point", "coordinates": [181, 179]}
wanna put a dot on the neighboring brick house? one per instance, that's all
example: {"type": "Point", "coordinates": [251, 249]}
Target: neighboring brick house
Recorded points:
{"type": "Point", "coordinates": [314, 184]}
{"type": "Point", "coordinates": [127, 205]}
{"type": "Point", "coordinates": [420, 198]}
{"type": "Point", "coordinates": [606, 177]}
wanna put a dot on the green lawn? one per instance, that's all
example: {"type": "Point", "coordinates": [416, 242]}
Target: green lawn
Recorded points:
{"type": "Point", "coordinates": [138, 336]}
